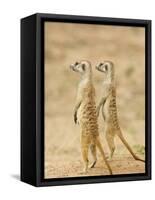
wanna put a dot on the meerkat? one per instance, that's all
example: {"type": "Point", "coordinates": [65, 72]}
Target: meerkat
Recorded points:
{"type": "Point", "coordinates": [85, 115]}
{"type": "Point", "coordinates": [109, 109]}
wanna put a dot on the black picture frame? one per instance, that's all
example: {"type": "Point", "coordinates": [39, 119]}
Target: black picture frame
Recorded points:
{"type": "Point", "coordinates": [32, 98]}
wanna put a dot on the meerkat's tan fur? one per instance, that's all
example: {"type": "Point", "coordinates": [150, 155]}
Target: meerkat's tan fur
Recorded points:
{"type": "Point", "coordinates": [109, 109]}
{"type": "Point", "coordinates": [85, 115]}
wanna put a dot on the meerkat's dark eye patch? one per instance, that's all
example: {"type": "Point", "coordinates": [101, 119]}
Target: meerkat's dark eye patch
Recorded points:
{"type": "Point", "coordinates": [83, 66]}
{"type": "Point", "coordinates": [100, 64]}
{"type": "Point", "coordinates": [76, 63]}
{"type": "Point", "coordinates": [106, 67]}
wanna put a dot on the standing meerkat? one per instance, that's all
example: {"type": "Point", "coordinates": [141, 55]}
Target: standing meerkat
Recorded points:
{"type": "Point", "coordinates": [85, 115]}
{"type": "Point", "coordinates": [109, 108]}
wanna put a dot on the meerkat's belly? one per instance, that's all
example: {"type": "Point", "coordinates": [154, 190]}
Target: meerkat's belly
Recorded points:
{"type": "Point", "coordinates": [105, 110]}
{"type": "Point", "coordinates": [110, 112]}
{"type": "Point", "coordinates": [87, 118]}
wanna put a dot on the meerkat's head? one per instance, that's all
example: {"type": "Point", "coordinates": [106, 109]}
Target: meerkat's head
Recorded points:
{"type": "Point", "coordinates": [83, 67]}
{"type": "Point", "coordinates": [106, 67]}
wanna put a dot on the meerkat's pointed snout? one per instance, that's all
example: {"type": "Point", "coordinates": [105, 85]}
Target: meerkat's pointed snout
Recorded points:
{"type": "Point", "coordinates": [74, 66]}
{"type": "Point", "coordinates": [100, 66]}
{"type": "Point", "coordinates": [71, 66]}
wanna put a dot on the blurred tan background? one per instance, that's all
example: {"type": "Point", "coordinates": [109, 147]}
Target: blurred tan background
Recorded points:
{"type": "Point", "coordinates": [66, 43]}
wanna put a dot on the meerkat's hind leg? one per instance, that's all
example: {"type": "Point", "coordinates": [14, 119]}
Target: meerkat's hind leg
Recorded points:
{"type": "Point", "coordinates": [85, 158]}
{"type": "Point", "coordinates": [93, 152]}
{"type": "Point", "coordinates": [110, 140]}
{"type": "Point", "coordinates": [120, 135]}
{"type": "Point", "coordinates": [98, 144]}
{"type": "Point", "coordinates": [84, 149]}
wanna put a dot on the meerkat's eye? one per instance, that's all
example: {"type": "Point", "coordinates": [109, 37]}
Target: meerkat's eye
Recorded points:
{"type": "Point", "coordinates": [83, 66]}
{"type": "Point", "coordinates": [106, 67]}
{"type": "Point", "coordinates": [100, 64]}
{"type": "Point", "coordinates": [76, 63]}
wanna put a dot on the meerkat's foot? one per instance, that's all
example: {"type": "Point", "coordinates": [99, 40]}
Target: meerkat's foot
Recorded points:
{"type": "Point", "coordinates": [85, 170]}
{"type": "Point", "coordinates": [109, 158]}
{"type": "Point", "coordinates": [111, 154]}
{"type": "Point", "coordinates": [92, 165]}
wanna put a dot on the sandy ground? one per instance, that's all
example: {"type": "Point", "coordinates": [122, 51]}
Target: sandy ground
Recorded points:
{"type": "Point", "coordinates": [67, 43]}
{"type": "Point", "coordinates": [119, 164]}
{"type": "Point", "coordinates": [66, 161]}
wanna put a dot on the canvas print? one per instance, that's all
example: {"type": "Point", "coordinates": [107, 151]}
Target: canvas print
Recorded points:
{"type": "Point", "coordinates": [94, 95]}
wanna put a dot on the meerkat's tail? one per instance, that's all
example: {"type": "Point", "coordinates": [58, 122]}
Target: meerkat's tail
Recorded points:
{"type": "Point", "coordinates": [120, 135]}
{"type": "Point", "coordinates": [98, 144]}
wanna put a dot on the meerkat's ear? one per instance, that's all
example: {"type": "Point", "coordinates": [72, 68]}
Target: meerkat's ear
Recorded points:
{"type": "Point", "coordinates": [83, 67]}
